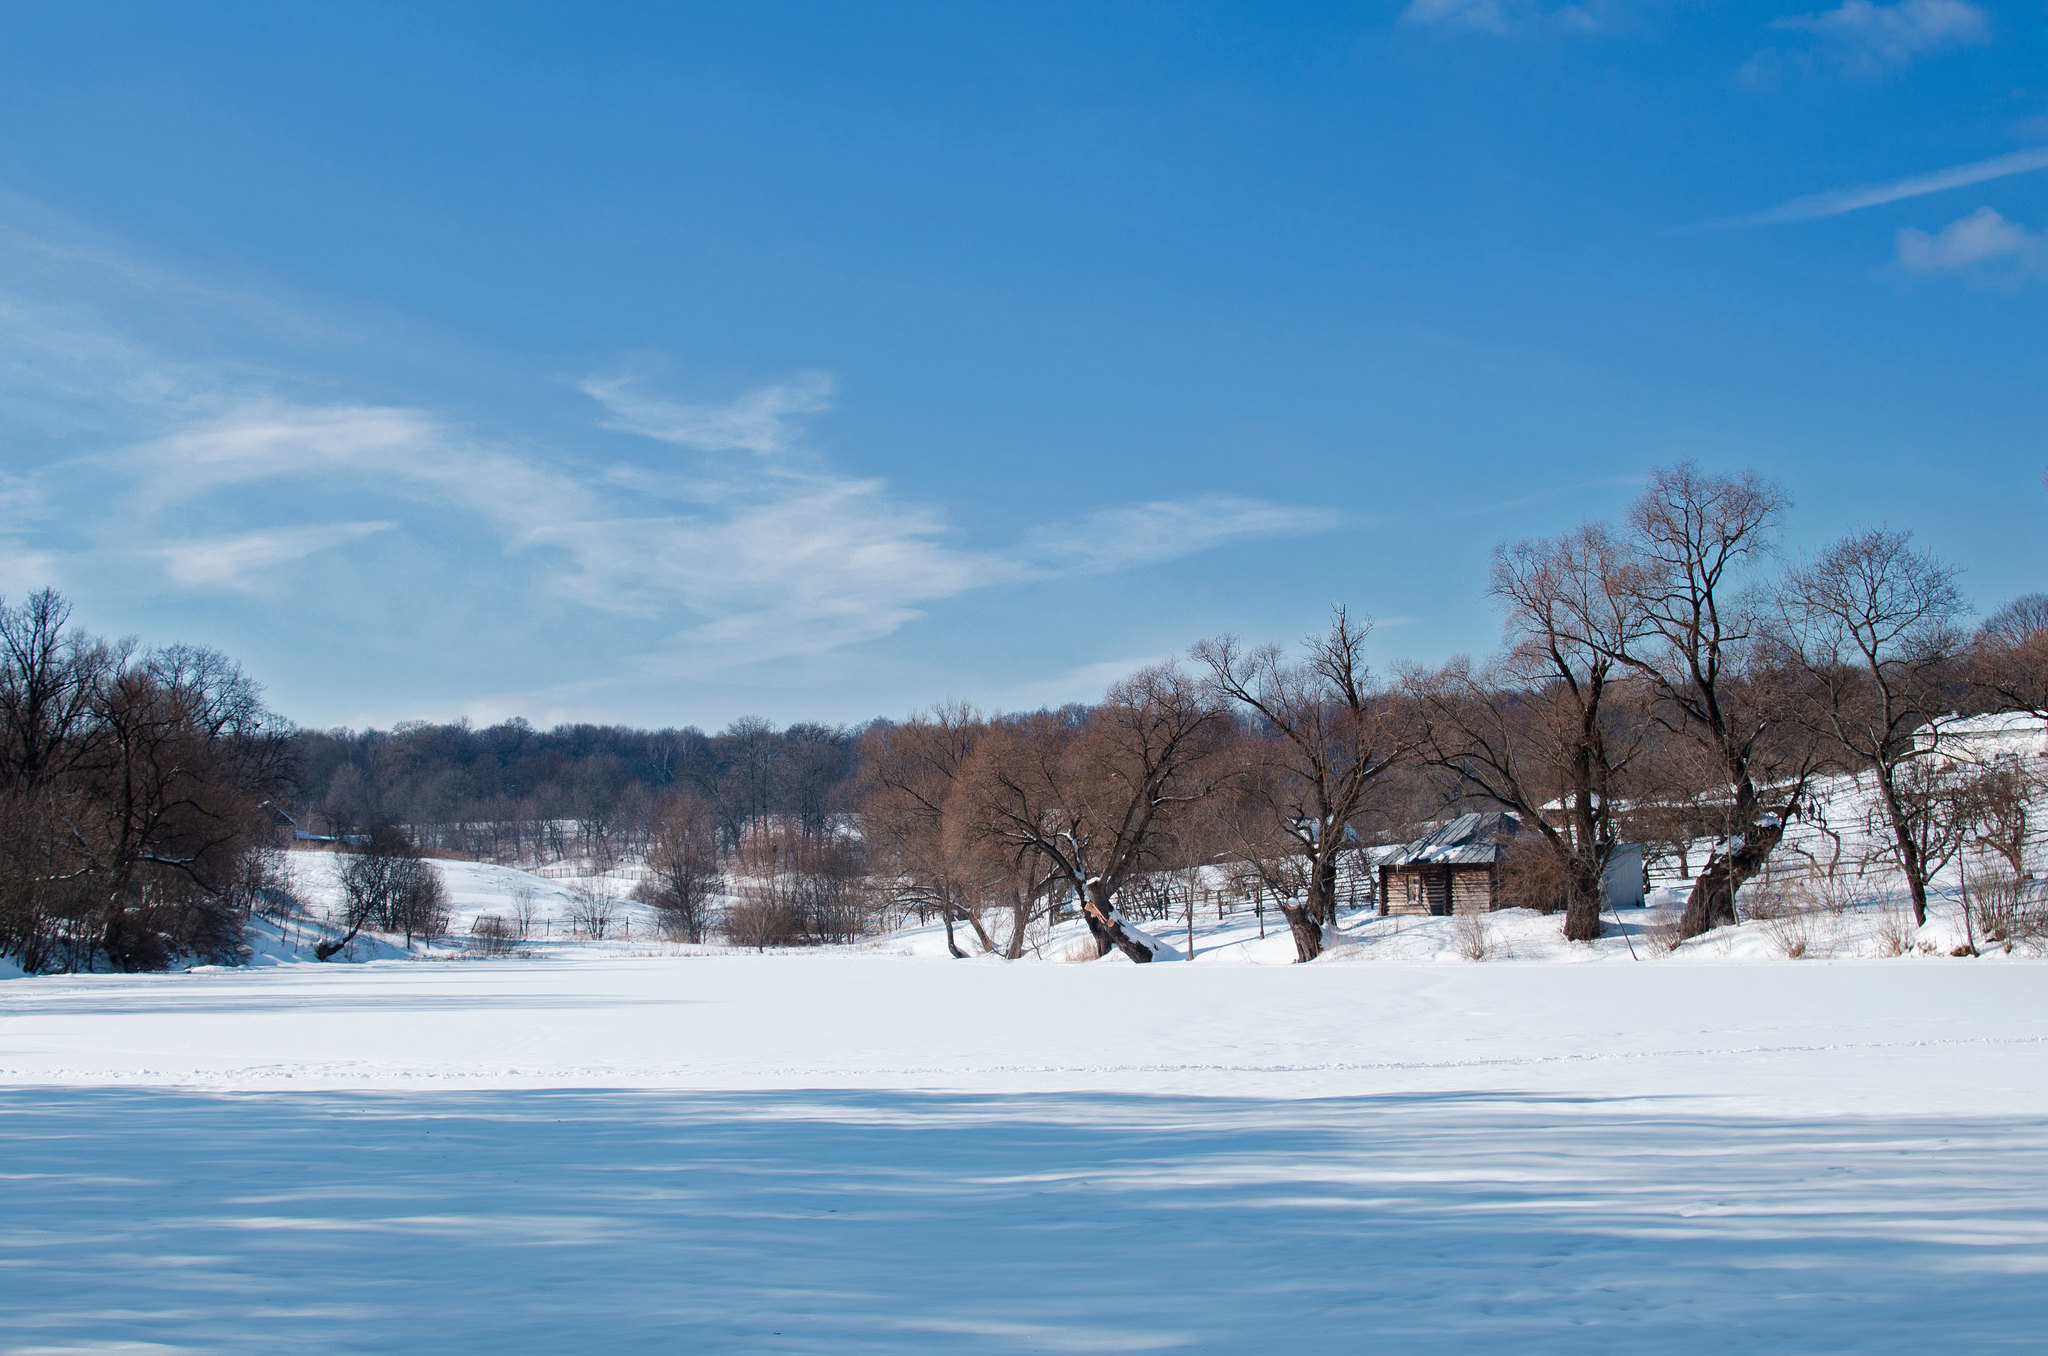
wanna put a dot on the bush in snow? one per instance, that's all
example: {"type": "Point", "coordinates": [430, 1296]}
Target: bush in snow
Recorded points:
{"type": "Point", "coordinates": [594, 908]}
{"type": "Point", "coordinates": [492, 935]}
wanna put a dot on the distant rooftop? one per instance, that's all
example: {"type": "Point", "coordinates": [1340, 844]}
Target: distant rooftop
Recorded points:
{"type": "Point", "coordinates": [1995, 723]}
{"type": "Point", "coordinates": [1469, 840]}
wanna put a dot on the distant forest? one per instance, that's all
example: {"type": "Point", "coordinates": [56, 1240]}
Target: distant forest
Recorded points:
{"type": "Point", "coordinates": [511, 792]}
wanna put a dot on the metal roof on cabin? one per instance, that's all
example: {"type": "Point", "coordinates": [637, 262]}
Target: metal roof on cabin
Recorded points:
{"type": "Point", "coordinates": [1469, 840]}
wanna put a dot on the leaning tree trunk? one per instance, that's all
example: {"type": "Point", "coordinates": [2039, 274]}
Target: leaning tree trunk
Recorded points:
{"type": "Point", "coordinates": [1304, 922]}
{"type": "Point", "coordinates": [953, 913]}
{"type": "Point", "coordinates": [1108, 925]}
{"type": "Point", "coordinates": [1712, 902]}
{"type": "Point", "coordinates": [326, 950]}
{"type": "Point", "coordinates": [1911, 864]}
{"type": "Point", "coordinates": [1097, 933]}
{"type": "Point", "coordinates": [980, 933]}
{"type": "Point", "coordinates": [1916, 875]}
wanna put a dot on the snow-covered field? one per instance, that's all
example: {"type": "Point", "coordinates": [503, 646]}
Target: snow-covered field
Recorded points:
{"type": "Point", "coordinates": [859, 1150]}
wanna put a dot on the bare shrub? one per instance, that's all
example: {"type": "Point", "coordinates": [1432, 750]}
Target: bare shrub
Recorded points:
{"type": "Point", "coordinates": [525, 908]}
{"type": "Point", "coordinates": [1472, 940]}
{"type": "Point", "coordinates": [2007, 908]}
{"type": "Point", "coordinates": [594, 908]}
{"type": "Point", "coordinates": [1895, 932]}
{"type": "Point", "coordinates": [492, 935]}
{"type": "Point", "coordinates": [1532, 876]}
{"type": "Point", "coordinates": [1079, 953]}
{"type": "Point", "coordinates": [762, 917]}
{"type": "Point", "coordinates": [268, 886]}
{"type": "Point", "coordinates": [1802, 913]}
{"type": "Point", "coordinates": [1664, 933]}
{"type": "Point", "coordinates": [1793, 932]}
{"type": "Point", "coordinates": [804, 891]}
{"type": "Point", "coordinates": [1767, 901]}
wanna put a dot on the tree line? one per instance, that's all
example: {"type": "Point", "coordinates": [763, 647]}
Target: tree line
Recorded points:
{"type": "Point", "coordinates": [138, 788]}
{"type": "Point", "coordinates": [1667, 679]}
{"type": "Point", "coordinates": [513, 794]}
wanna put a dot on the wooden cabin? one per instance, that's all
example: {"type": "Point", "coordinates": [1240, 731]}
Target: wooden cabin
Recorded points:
{"type": "Point", "coordinates": [1453, 869]}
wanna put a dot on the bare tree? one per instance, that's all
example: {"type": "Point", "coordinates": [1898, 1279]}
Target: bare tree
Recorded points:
{"type": "Point", "coordinates": [1325, 736]}
{"type": "Point", "coordinates": [809, 765]}
{"type": "Point", "coordinates": [133, 790]}
{"type": "Point", "coordinates": [386, 884]}
{"type": "Point", "coordinates": [1696, 539]}
{"type": "Point", "coordinates": [1872, 621]}
{"type": "Point", "coordinates": [2008, 659]}
{"type": "Point", "coordinates": [525, 908]}
{"type": "Point", "coordinates": [745, 789]}
{"type": "Point", "coordinates": [1542, 733]}
{"type": "Point", "coordinates": [683, 866]}
{"type": "Point", "coordinates": [51, 678]}
{"type": "Point", "coordinates": [1093, 803]}
{"type": "Point", "coordinates": [2007, 791]}
{"type": "Point", "coordinates": [910, 771]}
{"type": "Point", "coordinates": [796, 890]}
{"type": "Point", "coordinates": [594, 907]}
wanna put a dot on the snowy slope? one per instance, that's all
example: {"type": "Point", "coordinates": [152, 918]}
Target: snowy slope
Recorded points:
{"type": "Point", "coordinates": [477, 888]}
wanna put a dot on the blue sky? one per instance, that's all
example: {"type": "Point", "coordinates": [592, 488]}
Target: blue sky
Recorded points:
{"type": "Point", "coordinates": [663, 364]}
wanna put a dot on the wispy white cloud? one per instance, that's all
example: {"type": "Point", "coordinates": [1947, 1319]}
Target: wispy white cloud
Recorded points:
{"type": "Point", "coordinates": [241, 561]}
{"type": "Point", "coordinates": [176, 468]}
{"type": "Point", "coordinates": [797, 557]}
{"type": "Point", "coordinates": [759, 421]}
{"type": "Point", "coordinates": [1506, 18]}
{"type": "Point", "coordinates": [1982, 242]}
{"type": "Point", "coordinates": [1165, 529]}
{"type": "Point", "coordinates": [23, 566]}
{"type": "Point", "coordinates": [1836, 202]}
{"type": "Point", "coordinates": [1083, 684]}
{"type": "Point", "coordinates": [1868, 38]}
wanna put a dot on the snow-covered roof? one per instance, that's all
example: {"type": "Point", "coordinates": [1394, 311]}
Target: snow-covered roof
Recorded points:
{"type": "Point", "coordinates": [1469, 840]}
{"type": "Point", "coordinates": [1994, 723]}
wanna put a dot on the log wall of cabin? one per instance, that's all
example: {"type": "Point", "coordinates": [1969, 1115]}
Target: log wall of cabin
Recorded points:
{"type": "Point", "coordinates": [1415, 890]}
{"type": "Point", "coordinates": [1472, 889]}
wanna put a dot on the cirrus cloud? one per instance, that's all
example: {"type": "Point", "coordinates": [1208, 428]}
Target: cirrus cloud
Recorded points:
{"type": "Point", "coordinates": [1981, 242]}
{"type": "Point", "coordinates": [1868, 38]}
{"type": "Point", "coordinates": [1505, 18]}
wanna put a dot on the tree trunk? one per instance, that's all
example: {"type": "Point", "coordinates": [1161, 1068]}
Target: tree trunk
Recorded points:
{"type": "Point", "coordinates": [1306, 921]}
{"type": "Point", "coordinates": [1712, 902]}
{"type": "Point", "coordinates": [1324, 895]}
{"type": "Point", "coordinates": [951, 945]}
{"type": "Point", "coordinates": [1020, 920]}
{"type": "Point", "coordinates": [326, 950]}
{"type": "Point", "coordinates": [1582, 909]}
{"type": "Point", "coordinates": [1107, 926]}
{"type": "Point", "coordinates": [1307, 929]}
{"type": "Point", "coordinates": [1097, 933]}
{"type": "Point", "coordinates": [1910, 864]}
